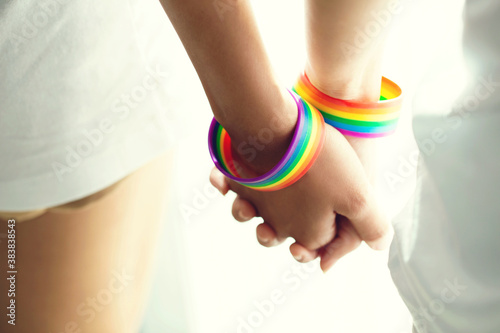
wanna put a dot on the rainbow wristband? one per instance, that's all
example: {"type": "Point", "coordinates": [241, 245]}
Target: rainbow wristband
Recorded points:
{"type": "Point", "coordinates": [364, 120]}
{"type": "Point", "coordinates": [304, 148]}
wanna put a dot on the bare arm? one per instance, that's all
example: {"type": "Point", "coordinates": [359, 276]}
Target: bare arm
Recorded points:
{"type": "Point", "coordinates": [223, 42]}
{"type": "Point", "coordinates": [345, 44]}
{"type": "Point", "coordinates": [245, 96]}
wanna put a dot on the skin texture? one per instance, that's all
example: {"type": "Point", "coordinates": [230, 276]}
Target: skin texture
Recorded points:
{"type": "Point", "coordinates": [228, 54]}
{"type": "Point", "coordinates": [343, 73]}
{"type": "Point", "coordinates": [351, 74]}
{"type": "Point", "coordinates": [68, 260]}
{"type": "Point", "coordinates": [329, 211]}
{"type": "Point", "coordinates": [345, 191]}
{"type": "Point", "coordinates": [328, 216]}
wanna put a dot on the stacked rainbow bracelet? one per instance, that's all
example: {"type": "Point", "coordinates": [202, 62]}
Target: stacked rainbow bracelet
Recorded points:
{"type": "Point", "coordinates": [365, 120]}
{"type": "Point", "coordinates": [304, 148]}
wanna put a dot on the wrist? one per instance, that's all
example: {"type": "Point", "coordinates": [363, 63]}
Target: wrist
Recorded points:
{"type": "Point", "coordinates": [356, 85]}
{"type": "Point", "coordinates": [260, 139]}
{"type": "Point", "coordinates": [302, 151]}
{"type": "Point", "coordinates": [245, 115]}
{"type": "Point", "coordinates": [363, 87]}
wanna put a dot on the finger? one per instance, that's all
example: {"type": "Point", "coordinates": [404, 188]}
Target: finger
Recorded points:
{"type": "Point", "coordinates": [302, 254]}
{"type": "Point", "coordinates": [243, 210]}
{"type": "Point", "coordinates": [267, 236]}
{"type": "Point", "coordinates": [219, 181]}
{"type": "Point", "coordinates": [346, 241]}
{"type": "Point", "coordinates": [368, 220]}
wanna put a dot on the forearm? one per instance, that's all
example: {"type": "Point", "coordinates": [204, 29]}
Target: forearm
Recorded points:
{"type": "Point", "coordinates": [225, 47]}
{"type": "Point", "coordinates": [345, 42]}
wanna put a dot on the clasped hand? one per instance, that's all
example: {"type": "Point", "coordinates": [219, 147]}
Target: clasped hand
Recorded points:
{"type": "Point", "coordinates": [328, 212]}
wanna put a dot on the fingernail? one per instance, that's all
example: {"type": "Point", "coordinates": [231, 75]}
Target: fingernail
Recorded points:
{"type": "Point", "coordinates": [264, 240]}
{"type": "Point", "coordinates": [298, 258]}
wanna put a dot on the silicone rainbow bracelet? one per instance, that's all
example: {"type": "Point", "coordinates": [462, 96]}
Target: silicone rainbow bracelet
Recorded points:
{"type": "Point", "coordinates": [304, 148]}
{"type": "Point", "coordinates": [365, 120]}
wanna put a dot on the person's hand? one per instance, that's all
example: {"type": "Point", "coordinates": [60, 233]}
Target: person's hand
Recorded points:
{"type": "Point", "coordinates": [328, 212]}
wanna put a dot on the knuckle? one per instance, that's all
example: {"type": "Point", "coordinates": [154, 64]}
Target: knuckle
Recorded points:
{"type": "Point", "coordinates": [358, 205]}
{"type": "Point", "coordinates": [374, 234]}
{"type": "Point", "coordinates": [315, 240]}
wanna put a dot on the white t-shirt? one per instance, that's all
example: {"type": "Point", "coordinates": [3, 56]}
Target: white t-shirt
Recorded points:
{"type": "Point", "coordinates": [82, 91]}
{"type": "Point", "coordinates": [445, 258]}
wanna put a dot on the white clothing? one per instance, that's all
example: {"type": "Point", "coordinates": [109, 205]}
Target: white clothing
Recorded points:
{"type": "Point", "coordinates": [80, 90]}
{"type": "Point", "coordinates": [445, 257]}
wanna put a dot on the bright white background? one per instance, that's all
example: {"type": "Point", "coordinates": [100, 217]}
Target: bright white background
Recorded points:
{"type": "Point", "coordinates": [211, 268]}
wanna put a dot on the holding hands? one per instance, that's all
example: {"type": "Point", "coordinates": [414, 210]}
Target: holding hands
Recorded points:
{"type": "Point", "coordinates": [328, 211]}
{"type": "Point", "coordinates": [331, 207]}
